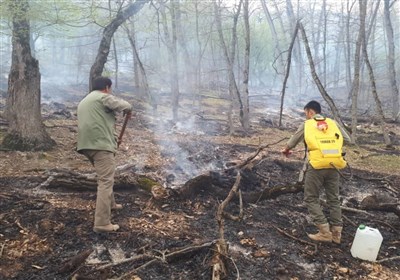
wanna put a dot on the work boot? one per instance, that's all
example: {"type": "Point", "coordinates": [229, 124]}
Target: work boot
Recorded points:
{"type": "Point", "coordinates": [117, 207]}
{"type": "Point", "coordinates": [107, 228]}
{"type": "Point", "coordinates": [336, 234]}
{"type": "Point", "coordinates": [323, 235]}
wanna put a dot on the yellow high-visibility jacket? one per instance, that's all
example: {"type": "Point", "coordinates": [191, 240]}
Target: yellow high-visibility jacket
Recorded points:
{"type": "Point", "coordinates": [324, 143]}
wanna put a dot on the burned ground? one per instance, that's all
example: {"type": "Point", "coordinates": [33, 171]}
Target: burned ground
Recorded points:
{"type": "Point", "coordinates": [42, 230]}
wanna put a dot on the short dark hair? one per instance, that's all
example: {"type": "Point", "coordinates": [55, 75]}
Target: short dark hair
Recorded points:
{"type": "Point", "coordinates": [100, 83]}
{"type": "Point", "coordinates": [313, 105]}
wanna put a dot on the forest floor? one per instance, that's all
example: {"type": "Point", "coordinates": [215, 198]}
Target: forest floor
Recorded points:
{"type": "Point", "coordinates": [42, 230]}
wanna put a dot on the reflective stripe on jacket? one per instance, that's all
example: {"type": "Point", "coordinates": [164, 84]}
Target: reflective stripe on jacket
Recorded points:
{"type": "Point", "coordinates": [324, 143]}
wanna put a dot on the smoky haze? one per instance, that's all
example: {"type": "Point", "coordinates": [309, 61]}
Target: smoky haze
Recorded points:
{"type": "Point", "coordinates": [65, 39]}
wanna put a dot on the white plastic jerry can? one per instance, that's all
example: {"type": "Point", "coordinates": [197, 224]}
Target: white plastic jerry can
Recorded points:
{"type": "Point", "coordinates": [366, 244]}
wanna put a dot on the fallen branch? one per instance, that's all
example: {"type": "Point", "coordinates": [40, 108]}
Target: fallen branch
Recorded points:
{"type": "Point", "coordinates": [128, 260]}
{"type": "Point", "coordinates": [167, 257]}
{"type": "Point", "coordinates": [249, 159]}
{"type": "Point", "coordinates": [348, 209]}
{"type": "Point", "coordinates": [218, 265]}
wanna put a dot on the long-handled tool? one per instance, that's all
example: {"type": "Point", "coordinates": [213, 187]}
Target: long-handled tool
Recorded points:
{"type": "Point", "coordinates": [127, 117]}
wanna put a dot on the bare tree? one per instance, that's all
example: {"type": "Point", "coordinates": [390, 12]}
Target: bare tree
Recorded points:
{"type": "Point", "coordinates": [381, 117]}
{"type": "Point", "coordinates": [317, 81]}
{"type": "Point", "coordinates": [356, 80]}
{"type": "Point", "coordinates": [139, 71]}
{"type": "Point", "coordinates": [229, 58]}
{"type": "Point", "coordinates": [104, 48]}
{"type": "Point", "coordinates": [348, 43]}
{"type": "Point", "coordinates": [26, 130]}
{"type": "Point", "coordinates": [246, 70]}
{"type": "Point", "coordinates": [391, 62]}
{"type": "Point", "coordinates": [171, 39]}
{"type": "Point", "coordinates": [275, 37]}
{"type": "Point", "coordinates": [288, 64]}
{"type": "Point", "coordinates": [115, 53]}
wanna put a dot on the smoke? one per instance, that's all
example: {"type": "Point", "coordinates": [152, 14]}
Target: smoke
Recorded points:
{"type": "Point", "coordinates": [183, 148]}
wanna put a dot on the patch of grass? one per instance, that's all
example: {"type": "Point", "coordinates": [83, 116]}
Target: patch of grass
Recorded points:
{"type": "Point", "coordinates": [388, 164]}
{"type": "Point", "coordinates": [384, 163]}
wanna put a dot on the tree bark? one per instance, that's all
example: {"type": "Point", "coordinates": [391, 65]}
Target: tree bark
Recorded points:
{"type": "Point", "coordinates": [26, 131]}
{"type": "Point", "coordinates": [104, 48]}
{"type": "Point", "coordinates": [391, 61]}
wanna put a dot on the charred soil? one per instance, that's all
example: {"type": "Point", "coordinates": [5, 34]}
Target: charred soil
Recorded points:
{"type": "Point", "coordinates": [47, 233]}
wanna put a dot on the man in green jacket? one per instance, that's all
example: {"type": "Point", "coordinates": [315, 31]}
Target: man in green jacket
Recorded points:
{"type": "Point", "coordinates": [97, 141]}
{"type": "Point", "coordinates": [323, 138]}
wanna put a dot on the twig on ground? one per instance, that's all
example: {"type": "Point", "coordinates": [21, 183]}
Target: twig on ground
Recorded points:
{"type": "Point", "coordinates": [249, 159]}
{"type": "Point", "coordinates": [237, 269]}
{"type": "Point", "coordinates": [2, 249]}
{"type": "Point", "coordinates": [348, 209]}
{"type": "Point", "coordinates": [20, 226]}
{"type": "Point", "coordinates": [350, 221]}
{"type": "Point", "coordinates": [388, 259]}
{"type": "Point", "coordinates": [297, 239]}
{"type": "Point", "coordinates": [240, 216]}
{"type": "Point", "coordinates": [167, 257]}
{"type": "Point", "coordinates": [385, 224]}
{"type": "Point", "coordinates": [132, 259]}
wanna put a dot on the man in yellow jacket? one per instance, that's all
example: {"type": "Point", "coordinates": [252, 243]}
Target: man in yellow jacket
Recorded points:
{"type": "Point", "coordinates": [323, 138]}
{"type": "Point", "coordinates": [97, 141]}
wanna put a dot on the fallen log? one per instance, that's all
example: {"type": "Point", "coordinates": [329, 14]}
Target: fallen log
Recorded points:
{"type": "Point", "coordinates": [373, 202]}
{"type": "Point", "coordinates": [124, 179]}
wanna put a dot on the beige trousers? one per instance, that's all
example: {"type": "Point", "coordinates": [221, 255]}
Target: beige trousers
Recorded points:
{"type": "Point", "coordinates": [104, 164]}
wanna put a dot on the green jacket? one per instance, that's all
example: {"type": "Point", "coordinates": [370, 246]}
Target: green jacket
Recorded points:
{"type": "Point", "coordinates": [96, 121]}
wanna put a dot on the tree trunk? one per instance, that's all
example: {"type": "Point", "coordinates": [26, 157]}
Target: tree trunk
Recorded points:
{"type": "Point", "coordinates": [229, 58]}
{"type": "Point", "coordinates": [171, 42]}
{"type": "Point", "coordinates": [298, 58]}
{"type": "Point", "coordinates": [348, 44]}
{"type": "Point", "coordinates": [140, 73]}
{"type": "Point", "coordinates": [391, 62]}
{"type": "Point", "coordinates": [104, 48]}
{"type": "Point", "coordinates": [289, 61]}
{"type": "Point", "coordinates": [26, 131]}
{"type": "Point", "coordinates": [356, 80]}
{"type": "Point", "coordinates": [275, 37]}
{"type": "Point", "coordinates": [246, 103]}
{"type": "Point", "coordinates": [378, 104]}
